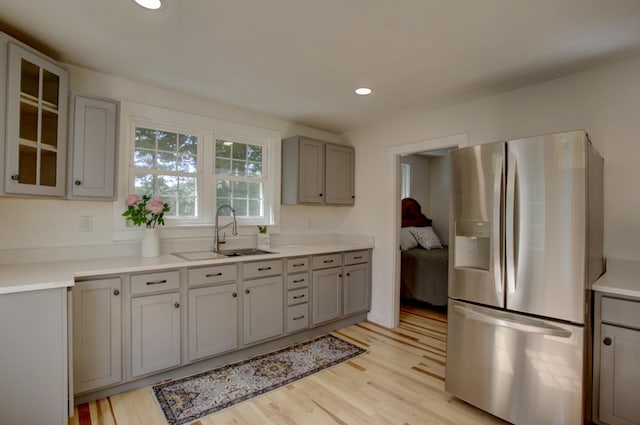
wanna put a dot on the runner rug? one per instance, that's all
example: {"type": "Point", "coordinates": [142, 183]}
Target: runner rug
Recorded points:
{"type": "Point", "coordinates": [187, 399]}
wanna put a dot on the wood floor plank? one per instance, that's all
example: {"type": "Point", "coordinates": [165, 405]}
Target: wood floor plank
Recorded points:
{"type": "Point", "coordinates": [399, 380]}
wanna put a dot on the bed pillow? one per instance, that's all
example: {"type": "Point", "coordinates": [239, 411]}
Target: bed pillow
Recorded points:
{"type": "Point", "coordinates": [407, 241]}
{"type": "Point", "coordinates": [426, 237]}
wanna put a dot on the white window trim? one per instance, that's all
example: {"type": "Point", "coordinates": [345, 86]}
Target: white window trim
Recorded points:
{"type": "Point", "coordinates": [207, 129]}
{"type": "Point", "coordinates": [405, 181]}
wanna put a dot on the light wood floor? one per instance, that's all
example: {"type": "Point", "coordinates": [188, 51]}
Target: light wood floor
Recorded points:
{"type": "Point", "coordinates": [400, 380]}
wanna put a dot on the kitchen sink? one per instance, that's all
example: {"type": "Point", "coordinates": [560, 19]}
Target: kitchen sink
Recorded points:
{"type": "Point", "coordinates": [210, 255]}
{"type": "Point", "coordinates": [244, 251]}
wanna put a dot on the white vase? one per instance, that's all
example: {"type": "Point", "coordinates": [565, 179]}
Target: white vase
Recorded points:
{"type": "Point", "coordinates": [150, 243]}
{"type": "Point", "coordinates": [263, 241]}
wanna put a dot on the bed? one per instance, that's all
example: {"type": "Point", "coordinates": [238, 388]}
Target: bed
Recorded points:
{"type": "Point", "coordinates": [424, 264]}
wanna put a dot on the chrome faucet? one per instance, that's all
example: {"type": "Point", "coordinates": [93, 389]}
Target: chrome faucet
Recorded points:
{"type": "Point", "coordinates": [234, 229]}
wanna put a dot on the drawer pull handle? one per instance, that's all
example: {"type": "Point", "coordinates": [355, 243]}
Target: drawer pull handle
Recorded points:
{"type": "Point", "coordinates": [298, 281]}
{"type": "Point", "coordinates": [607, 341]}
{"type": "Point", "coordinates": [328, 261]}
{"type": "Point", "coordinates": [298, 317]}
{"type": "Point", "coordinates": [261, 269]}
{"type": "Point", "coordinates": [157, 282]}
{"type": "Point", "coordinates": [177, 305]}
{"type": "Point", "coordinates": [234, 295]}
{"type": "Point", "coordinates": [359, 257]}
{"type": "Point", "coordinates": [298, 265]}
{"type": "Point", "coordinates": [116, 292]}
{"type": "Point", "coordinates": [213, 274]}
{"type": "Point", "coordinates": [296, 297]}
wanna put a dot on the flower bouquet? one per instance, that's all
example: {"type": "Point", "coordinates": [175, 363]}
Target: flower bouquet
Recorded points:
{"type": "Point", "coordinates": [145, 210]}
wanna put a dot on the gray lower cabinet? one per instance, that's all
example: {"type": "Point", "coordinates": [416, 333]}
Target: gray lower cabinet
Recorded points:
{"type": "Point", "coordinates": [297, 294]}
{"type": "Point", "coordinates": [33, 357]}
{"type": "Point", "coordinates": [97, 334]}
{"type": "Point", "coordinates": [357, 282]}
{"type": "Point", "coordinates": [326, 287]}
{"type": "Point", "coordinates": [212, 310]}
{"type": "Point", "coordinates": [262, 301]}
{"type": "Point", "coordinates": [619, 353]}
{"type": "Point", "coordinates": [155, 322]}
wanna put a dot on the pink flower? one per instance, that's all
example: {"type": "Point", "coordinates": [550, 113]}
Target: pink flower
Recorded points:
{"type": "Point", "coordinates": [156, 206]}
{"type": "Point", "coordinates": [132, 200]}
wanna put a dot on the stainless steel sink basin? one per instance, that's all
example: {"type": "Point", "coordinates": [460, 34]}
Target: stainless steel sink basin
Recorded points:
{"type": "Point", "coordinates": [210, 255]}
{"type": "Point", "coordinates": [244, 251]}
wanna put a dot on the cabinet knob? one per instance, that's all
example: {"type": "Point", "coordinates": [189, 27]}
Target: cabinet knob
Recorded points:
{"type": "Point", "coordinates": [320, 195]}
{"type": "Point", "coordinates": [246, 291]}
{"type": "Point", "coordinates": [116, 292]}
{"type": "Point", "coordinates": [606, 341]}
{"type": "Point", "coordinates": [234, 295]}
{"type": "Point", "coordinates": [177, 305]}
{"type": "Point", "coordinates": [77, 182]}
{"type": "Point", "coordinates": [348, 274]}
{"type": "Point", "coordinates": [353, 196]}
{"type": "Point", "coordinates": [15, 177]}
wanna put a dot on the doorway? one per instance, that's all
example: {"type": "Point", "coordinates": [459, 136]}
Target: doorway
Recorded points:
{"type": "Point", "coordinates": [395, 154]}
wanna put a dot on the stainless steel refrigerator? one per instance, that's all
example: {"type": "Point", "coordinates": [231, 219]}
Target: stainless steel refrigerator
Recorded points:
{"type": "Point", "coordinates": [526, 246]}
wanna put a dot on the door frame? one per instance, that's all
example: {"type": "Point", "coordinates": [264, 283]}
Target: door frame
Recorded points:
{"type": "Point", "coordinates": [394, 153]}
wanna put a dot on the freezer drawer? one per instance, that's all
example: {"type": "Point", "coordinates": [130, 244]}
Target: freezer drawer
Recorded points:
{"type": "Point", "coordinates": [523, 370]}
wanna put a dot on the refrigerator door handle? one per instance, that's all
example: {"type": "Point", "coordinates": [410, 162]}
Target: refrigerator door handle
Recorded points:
{"type": "Point", "coordinates": [532, 327]}
{"type": "Point", "coordinates": [495, 243]}
{"type": "Point", "coordinates": [510, 225]}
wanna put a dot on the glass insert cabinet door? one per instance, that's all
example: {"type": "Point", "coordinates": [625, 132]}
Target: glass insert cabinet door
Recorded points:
{"type": "Point", "coordinates": [36, 124]}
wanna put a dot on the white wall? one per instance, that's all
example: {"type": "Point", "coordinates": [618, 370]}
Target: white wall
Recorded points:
{"type": "Point", "coordinates": [440, 192]}
{"type": "Point", "coordinates": [605, 101]}
{"type": "Point", "coordinates": [30, 224]}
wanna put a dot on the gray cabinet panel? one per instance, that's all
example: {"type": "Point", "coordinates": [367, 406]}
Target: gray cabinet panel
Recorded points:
{"type": "Point", "coordinates": [340, 175]}
{"type": "Point", "coordinates": [619, 375]}
{"type": "Point", "coordinates": [97, 334]}
{"type": "Point", "coordinates": [263, 310]}
{"type": "Point", "coordinates": [356, 288]}
{"type": "Point", "coordinates": [327, 295]}
{"type": "Point", "coordinates": [94, 146]}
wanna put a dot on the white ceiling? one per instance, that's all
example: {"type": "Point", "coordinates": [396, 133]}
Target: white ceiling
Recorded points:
{"type": "Point", "coordinates": [301, 60]}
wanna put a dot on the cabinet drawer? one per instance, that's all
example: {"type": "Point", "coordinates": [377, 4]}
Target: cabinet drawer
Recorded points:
{"type": "Point", "coordinates": [295, 265]}
{"type": "Point", "coordinates": [214, 274]}
{"type": "Point", "coordinates": [297, 296]}
{"type": "Point", "coordinates": [262, 268]}
{"type": "Point", "coordinates": [326, 261]}
{"type": "Point", "coordinates": [356, 257]}
{"type": "Point", "coordinates": [295, 281]}
{"type": "Point", "coordinates": [297, 317]}
{"type": "Point", "coordinates": [155, 282]}
{"type": "Point", "coordinates": [621, 312]}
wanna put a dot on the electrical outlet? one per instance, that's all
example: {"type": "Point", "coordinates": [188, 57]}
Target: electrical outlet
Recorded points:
{"type": "Point", "coordinates": [86, 223]}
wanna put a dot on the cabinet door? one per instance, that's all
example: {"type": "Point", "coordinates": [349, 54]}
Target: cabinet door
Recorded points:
{"type": "Point", "coordinates": [262, 302]}
{"type": "Point", "coordinates": [213, 320]}
{"type": "Point", "coordinates": [356, 288]}
{"type": "Point", "coordinates": [97, 334]}
{"type": "Point", "coordinates": [155, 333]}
{"type": "Point", "coordinates": [340, 175]}
{"type": "Point", "coordinates": [93, 157]}
{"type": "Point", "coordinates": [327, 294]}
{"type": "Point", "coordinates": [619, 375]}
{"type": "Point", "coordinates": [36, 125]}
{"type": "Point", "coordinates": [311, 172]}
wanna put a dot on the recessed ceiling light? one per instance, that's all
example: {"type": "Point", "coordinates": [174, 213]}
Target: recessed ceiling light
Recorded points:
{"type": "Point", "coordinates": [363, 91]}
{"type": "Point", "coordinates": [150, 4]}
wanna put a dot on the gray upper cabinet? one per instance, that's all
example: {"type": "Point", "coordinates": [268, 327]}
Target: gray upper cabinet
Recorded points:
{"type": "Point", "coordinates": [36, 124]}
{"type": "Point", "coordinates": [94, 134]}
{"type": "Point", "coordinates": [340, 175]}
{"type": "Point", "coordinates": [316, 172]}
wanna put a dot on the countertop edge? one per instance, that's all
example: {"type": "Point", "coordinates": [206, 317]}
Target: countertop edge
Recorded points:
{"type": "Point", "coordinates": [25, 277]}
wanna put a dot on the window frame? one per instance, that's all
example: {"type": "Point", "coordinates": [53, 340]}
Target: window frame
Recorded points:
{"type": "Point", "coordinates": [405, 180]}
{"type": "Point", "coordinates": [207, 129]}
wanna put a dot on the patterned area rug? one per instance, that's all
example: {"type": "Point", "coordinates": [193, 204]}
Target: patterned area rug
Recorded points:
{"type": "Point", "coordinates": [187, 399]}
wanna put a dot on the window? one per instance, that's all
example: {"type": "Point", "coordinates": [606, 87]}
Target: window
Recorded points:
{"type": "Point", "coordinates": [165, 164]}
{"type": "Point", "coordinates": [405, 175]}
{"type": "Point", "coordinates": [203, 163]}
{"type": "Point", "coordinates": [239, 177]}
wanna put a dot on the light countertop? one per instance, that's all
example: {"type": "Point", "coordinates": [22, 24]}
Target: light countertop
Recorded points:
{"type": "Point", "coordinates": [621, 278]}
{"type": "Point", "coordinates": [56, 274]}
